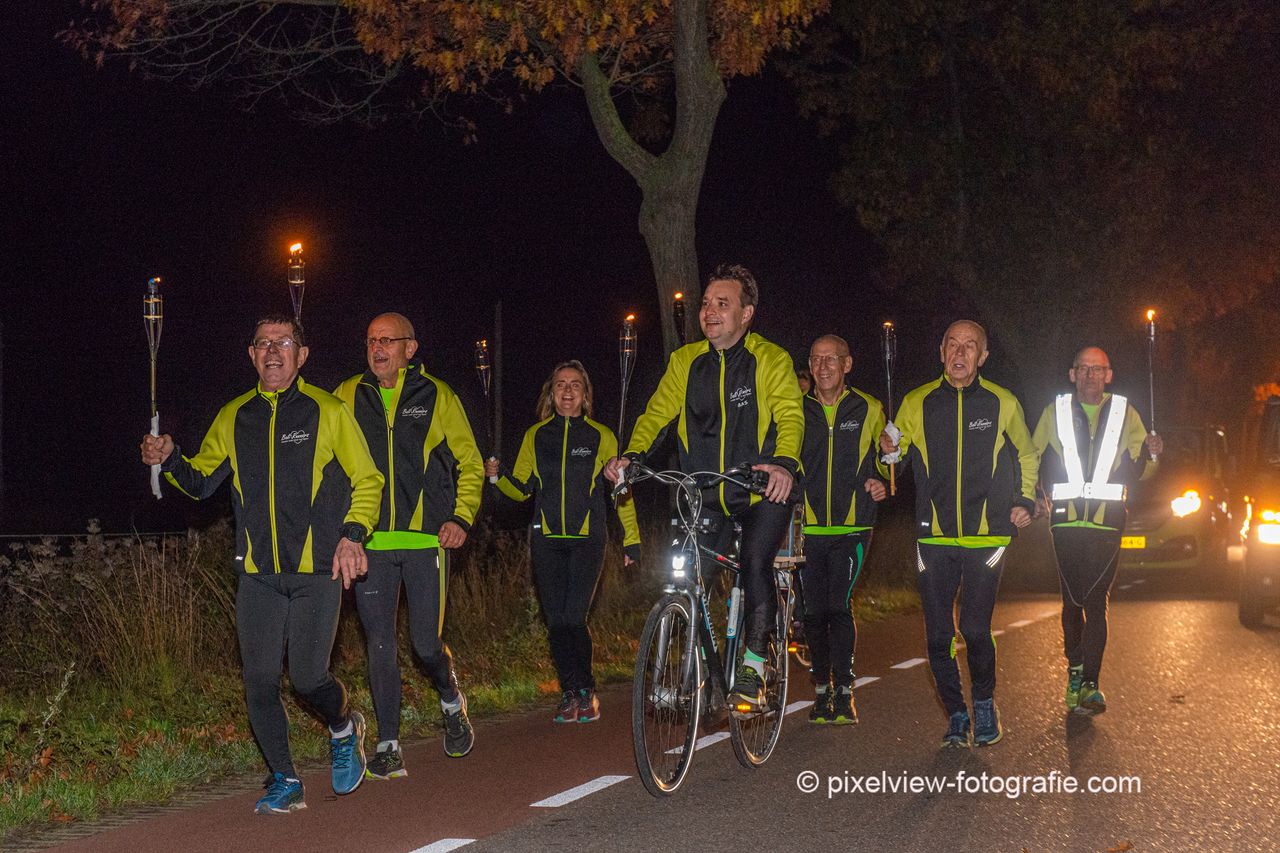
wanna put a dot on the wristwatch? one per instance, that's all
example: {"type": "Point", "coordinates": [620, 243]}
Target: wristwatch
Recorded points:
{"type": "Point", "coordinates": [354, 531]}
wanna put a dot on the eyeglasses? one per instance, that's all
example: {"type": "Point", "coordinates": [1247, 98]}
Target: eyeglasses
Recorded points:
{"type": "Point", "coordinates": [383, 341]}
{"type": "Point", "coordinates": [1091, 369]}
{"type": "Point", "coordinates": [829, 360]}
{"type": "Point", "coordinates": [262, 344]}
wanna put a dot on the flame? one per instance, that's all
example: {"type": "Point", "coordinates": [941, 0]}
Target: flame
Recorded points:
{"type": "Point", "coordinates": [295, 248]}
{"type": "Point", "coordinates": [631, 318]}
{"type": "Point", "coordinates": [679, 295]}
{"type": "Point", "coordinates": [888, 325]}
{"type": "Point", "coordinates": [1151, 314]}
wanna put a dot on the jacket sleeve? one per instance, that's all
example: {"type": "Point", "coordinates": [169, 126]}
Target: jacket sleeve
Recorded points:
{"type": "Point", "coordinates": [352, 453]}
{"type": "Point", "coordinates": [518, 484]}
{"type": "Point", "coordinates": [1133, 445]}
{"type": "Point", "coordinates": [871, 466]}
{"type": "Point", "coordinates": [462, 443]}
{"type": "Point", "coordinates": [786, 409]}
{"type": "Point", "coordinates": [626, 506]}
{"type": "Point", "coordinates": [1028, 457]}
{"type": "Point", "coordinates": [200, 476]}
{"type": "Point", "coordinates": [910, 422]}
{"type": "Point", "coordinates": [663, 407]}
{"type": "Point", "coordinates": [1045, 438]}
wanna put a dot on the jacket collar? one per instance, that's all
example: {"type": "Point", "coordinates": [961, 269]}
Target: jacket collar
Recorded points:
{"type": "Point", "coordinates": [972, 386]}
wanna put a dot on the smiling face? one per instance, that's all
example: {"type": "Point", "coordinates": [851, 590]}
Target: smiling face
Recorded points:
{"type": "Point", "coordinates": [829, 361]}
{"type": "Point", "coordinates": [276, 356]}
{"type": "Point", "coordinates": [963, 351]}
{"type": "Point", "coordinates": [387, 360]}
{"type": "Point", "coordinates": [723, 317]}
{"type": "Point", "coordinates": [1091, 373]}
{"type": "Point", "coordinates": [568, 391]}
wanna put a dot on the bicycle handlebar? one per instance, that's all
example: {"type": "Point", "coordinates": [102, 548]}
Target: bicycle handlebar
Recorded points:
{"type": "Point", "coordinates": [741, 475]}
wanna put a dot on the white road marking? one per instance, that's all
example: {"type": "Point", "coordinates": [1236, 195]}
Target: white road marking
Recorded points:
{"type": "Point", "coordinates": [1048, 613]}
{"type": "Point", "coordinates": [1021, 623]}
{"type": "Point", "coordinates": [700, 743]}
{"type": "Point", "coordinates": [578, 792]}
{"type": "Point", "coordinates": [997, 632]}
{"type": "Point", "coordinates": [1139, 580]}
{"type": "Point", "coordinates": [1125, 585]}
{"type": "Point", "coordinates": [444, 845]}
{"type": "Point", "coordinates": [797, 706]}
{"type": "Point", "coordinates": [865, 680]}
{"type": "Point", "coordinates": [907, 664]}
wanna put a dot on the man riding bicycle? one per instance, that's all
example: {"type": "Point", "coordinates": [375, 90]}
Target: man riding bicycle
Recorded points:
{"type": "Point", "coordinates": [734, 400]}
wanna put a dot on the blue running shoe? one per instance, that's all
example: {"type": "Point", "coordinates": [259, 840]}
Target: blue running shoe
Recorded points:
{"type": "Point", "coordinates": [986, 723]}
{"type": "Point", "coordinates": [957, 731]}
{"type": "Point", "coordinates": [346, 755]}
{"type": "Point", "coordinates": [284, 795]}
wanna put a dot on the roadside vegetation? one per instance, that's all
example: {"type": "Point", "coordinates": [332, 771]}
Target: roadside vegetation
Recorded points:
{"type": "Point", "coordinates": [120, 673]}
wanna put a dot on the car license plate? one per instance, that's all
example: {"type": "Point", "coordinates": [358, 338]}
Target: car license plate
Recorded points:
{"type": "Point", "coordinates": [1133, 541]}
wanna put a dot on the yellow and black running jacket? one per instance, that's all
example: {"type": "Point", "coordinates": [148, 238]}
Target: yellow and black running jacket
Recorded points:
{"type": "Point", "coordinates": [840, 453]}
{"type": "Point", "coordinates": [1132, 462]}
{"type": "Point", "coordinates": [299, 468]}
{"type": "Point", "coordinates": [561, 461]}
{"type": "Point", "coordinates": [973, 459]}
{"type": "Point", "coordinates": [738, 406]}
{"type": "Point", "coordinates": [424, 447]}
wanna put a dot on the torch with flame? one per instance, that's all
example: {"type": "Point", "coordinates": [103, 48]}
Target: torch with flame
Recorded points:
{"type": "Point", "coordinates": [1151, 368]}
{"type": "Point", "coordinates": [153, 319]}
{"type": "Point", "coordinates": [627, 364]}
{"type": "Point", "coordinates": [297, 280]}
{"type": "Point", "coordinates": [677, 314]}
{"type": "Point", "coordinates": [485, 372]}
{"type": "Point", "coordinates": [889, 349]}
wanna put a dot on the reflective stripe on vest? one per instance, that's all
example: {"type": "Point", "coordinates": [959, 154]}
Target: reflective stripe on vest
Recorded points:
{"type": "Point", "coordinates": [1097, 488]}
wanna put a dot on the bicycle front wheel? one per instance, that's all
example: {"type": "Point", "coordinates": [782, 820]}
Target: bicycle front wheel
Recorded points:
{"type": "Point", "coordinates": [666, 699]}
{"type": "Point", "coordinates": [754, 736]}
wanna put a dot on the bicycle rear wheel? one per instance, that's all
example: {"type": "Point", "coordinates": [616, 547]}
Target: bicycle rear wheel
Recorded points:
{"type": "Point", "coordinates": [666, 701]}
{"type": "Point", "coordinates": [754, 736]}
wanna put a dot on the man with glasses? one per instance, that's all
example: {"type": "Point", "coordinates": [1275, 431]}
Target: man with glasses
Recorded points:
{"type": "Point", "coordinates": [841, 488]}
{"type": "Point", "coordinates": [422, 443]}
{"type": "Point", "coordinates": [1093, 445]}
{"type": "Point", "coordinates": [967, 443]}
{"type": "Point", "coordinates": [305, 494]}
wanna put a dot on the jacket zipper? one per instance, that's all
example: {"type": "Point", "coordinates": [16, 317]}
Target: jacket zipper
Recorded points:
{"type": "Point", "coordinates": [959, 457]}
{"type": "Point", "coordinates": [271, 483]}
{"type": "Point", "coordinates": [564, 453]}
{"type": "Point", "coordinates": [724, 427]}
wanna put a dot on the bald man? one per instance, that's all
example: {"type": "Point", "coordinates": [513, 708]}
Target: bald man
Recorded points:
{"type": "Point", "coordinates": [842, 484]}
{"type": "Point", "coordinates": [1093, 445]}
{"type": "Point", "coordinates": [966, 441]}
{"type": "Point", "coordinates": [422, 442]}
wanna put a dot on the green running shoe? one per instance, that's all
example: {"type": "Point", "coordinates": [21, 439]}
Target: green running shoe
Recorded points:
{"type": "Point", "coordinates": [823, 709]}
{"type": "Point", "coordinates": [386, 764]}
{"type": "Point", "coordinates": [1075, 675]}
{"type": "Point", "coordinates": [843, 710]}
{"type": "Point", "coordinates": [1091, 699]}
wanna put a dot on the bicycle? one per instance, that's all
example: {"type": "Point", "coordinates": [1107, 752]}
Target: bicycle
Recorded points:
{"type": "Point", "coordinates": [681, 672]}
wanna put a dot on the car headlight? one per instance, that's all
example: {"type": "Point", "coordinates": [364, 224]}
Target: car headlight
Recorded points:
{"type": "Point", "coordinates": [1269, 527]}
{"type": "Point", "coordinates": [1186, 503]}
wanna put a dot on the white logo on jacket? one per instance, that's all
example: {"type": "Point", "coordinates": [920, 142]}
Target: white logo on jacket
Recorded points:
{"type": "Point", "coordinates": [580, 451]}
{"type": "Point", "coordinates": [981, 424]}
{"type": "Point", "coordinates": [296, 437]}
{"type": "Point", "coordinates": [740, 396]}
{"type": "Point", "coordinates": [849, 426]}
{"type": "Point", "coordinates": [415, 412]}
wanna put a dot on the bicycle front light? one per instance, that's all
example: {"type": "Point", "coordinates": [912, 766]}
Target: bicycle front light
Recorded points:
{"type": "Point", "coordinates": [1186, 503]}
{"type": "Point", "coordinates": [677, 566]}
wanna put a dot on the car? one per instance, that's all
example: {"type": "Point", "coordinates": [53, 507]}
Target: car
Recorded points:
{"type": "Point", "coordinates": [1180, 516]}
{"type": "Point", "coordinates": [1260, 532]}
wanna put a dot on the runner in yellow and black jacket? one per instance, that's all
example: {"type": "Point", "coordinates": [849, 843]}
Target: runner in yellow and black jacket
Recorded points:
{"type": "Point", "coordinates": [305, 494]}
{"type": "Point", "coordinates": [733, 399]}
{"type": "Point", "coordinates": [422, 443]}
{"type": "Point", "coordinates": [560, 463]}
{"type": "Point", "coordinates": [967, 442]}
{"type": "Point", "coordinates": [1087, 527]}
{"type": "Point", "coordinates": [841, 488]}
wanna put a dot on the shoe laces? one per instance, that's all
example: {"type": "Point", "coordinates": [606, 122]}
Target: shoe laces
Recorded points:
{"type": "Point", "coordinates": [341, 750]}
{"type": "Point", "coordinates": [567, 700]}
{"type": "Point", "coordinates": [453, 722]}
{"type": "Point", "coordinates": [279, 785]}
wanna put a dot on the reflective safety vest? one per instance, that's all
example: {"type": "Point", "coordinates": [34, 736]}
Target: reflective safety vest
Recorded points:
{"type": "Point", "coordinates": [1096, 488]}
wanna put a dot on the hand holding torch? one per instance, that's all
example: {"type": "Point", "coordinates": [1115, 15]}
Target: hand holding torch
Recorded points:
{"type": "Point", "coordinates": [484, 371]}
{"type": "Point", "coordinates": [153, 319]}
{"type": "Point", "coordinates": [889, 349]}
{"type": "Point", "coordinates": [297, 280]}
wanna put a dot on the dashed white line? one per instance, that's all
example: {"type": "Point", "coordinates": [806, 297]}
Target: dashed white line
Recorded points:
{"type": "Point", "coordinates": [797, 706]}
{"type": "Point", "coordinates": [1139, 580]}
{"type": "Point", "coordinates": [578, 792]}
{"type": "Point", "coordinates": [444, 845]}
{"type": "Point", "coordinates": [1048, 613]}
{"type": "Point", "coordinates": [865, 680]}
{"type": "Point", "coordinates": [907, 664]}
{"type": "Point", "coordinates": [1021, 623]}
{"type": "Point", "coordinates": [1125, 585]}
{"type": "Point", "coordinates": [701, 743]}
{"type": "Point", "coordinates": [997, 632]}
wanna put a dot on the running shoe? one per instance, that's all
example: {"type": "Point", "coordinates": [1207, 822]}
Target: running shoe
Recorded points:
{"type": "Point", "coordinates": [986, 723]}
{"type": "Point", "coordinates": [386, 764]}
{"type": "Point", "coordinates": [957, 731]}
{"type": "Point", "coordinates": [748, 689]}
{"type": "Point", "coordinates": [588, 706]}
{"type": "Point", "coordinates": [284, 795]}
{"type": "Point", "coordinates": [346, 757]}
{"type": "Point", "coordinates": [567, 711]}
{"type": "Point", "coordinates": [459, 737]}
{"type": "Point", "coordinates": [823, 709]}
{"type": "Point", "coordinates": [1075, 675]}
{"type": "Point", "coordinates": [843, 711]}
{"type": "Point", "coordinates": [1091, 699]}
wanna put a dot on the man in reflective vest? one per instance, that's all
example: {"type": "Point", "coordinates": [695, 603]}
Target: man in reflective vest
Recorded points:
{"type": "Point", "coordinates": [1093, 446]}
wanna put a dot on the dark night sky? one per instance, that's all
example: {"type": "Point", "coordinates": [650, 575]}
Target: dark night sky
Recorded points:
{"type": "Point", "coordinates": [109, 179]}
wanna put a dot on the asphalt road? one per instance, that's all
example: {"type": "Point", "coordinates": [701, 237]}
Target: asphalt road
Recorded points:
{"type": "Point", "coordinates": [1192, 732]}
